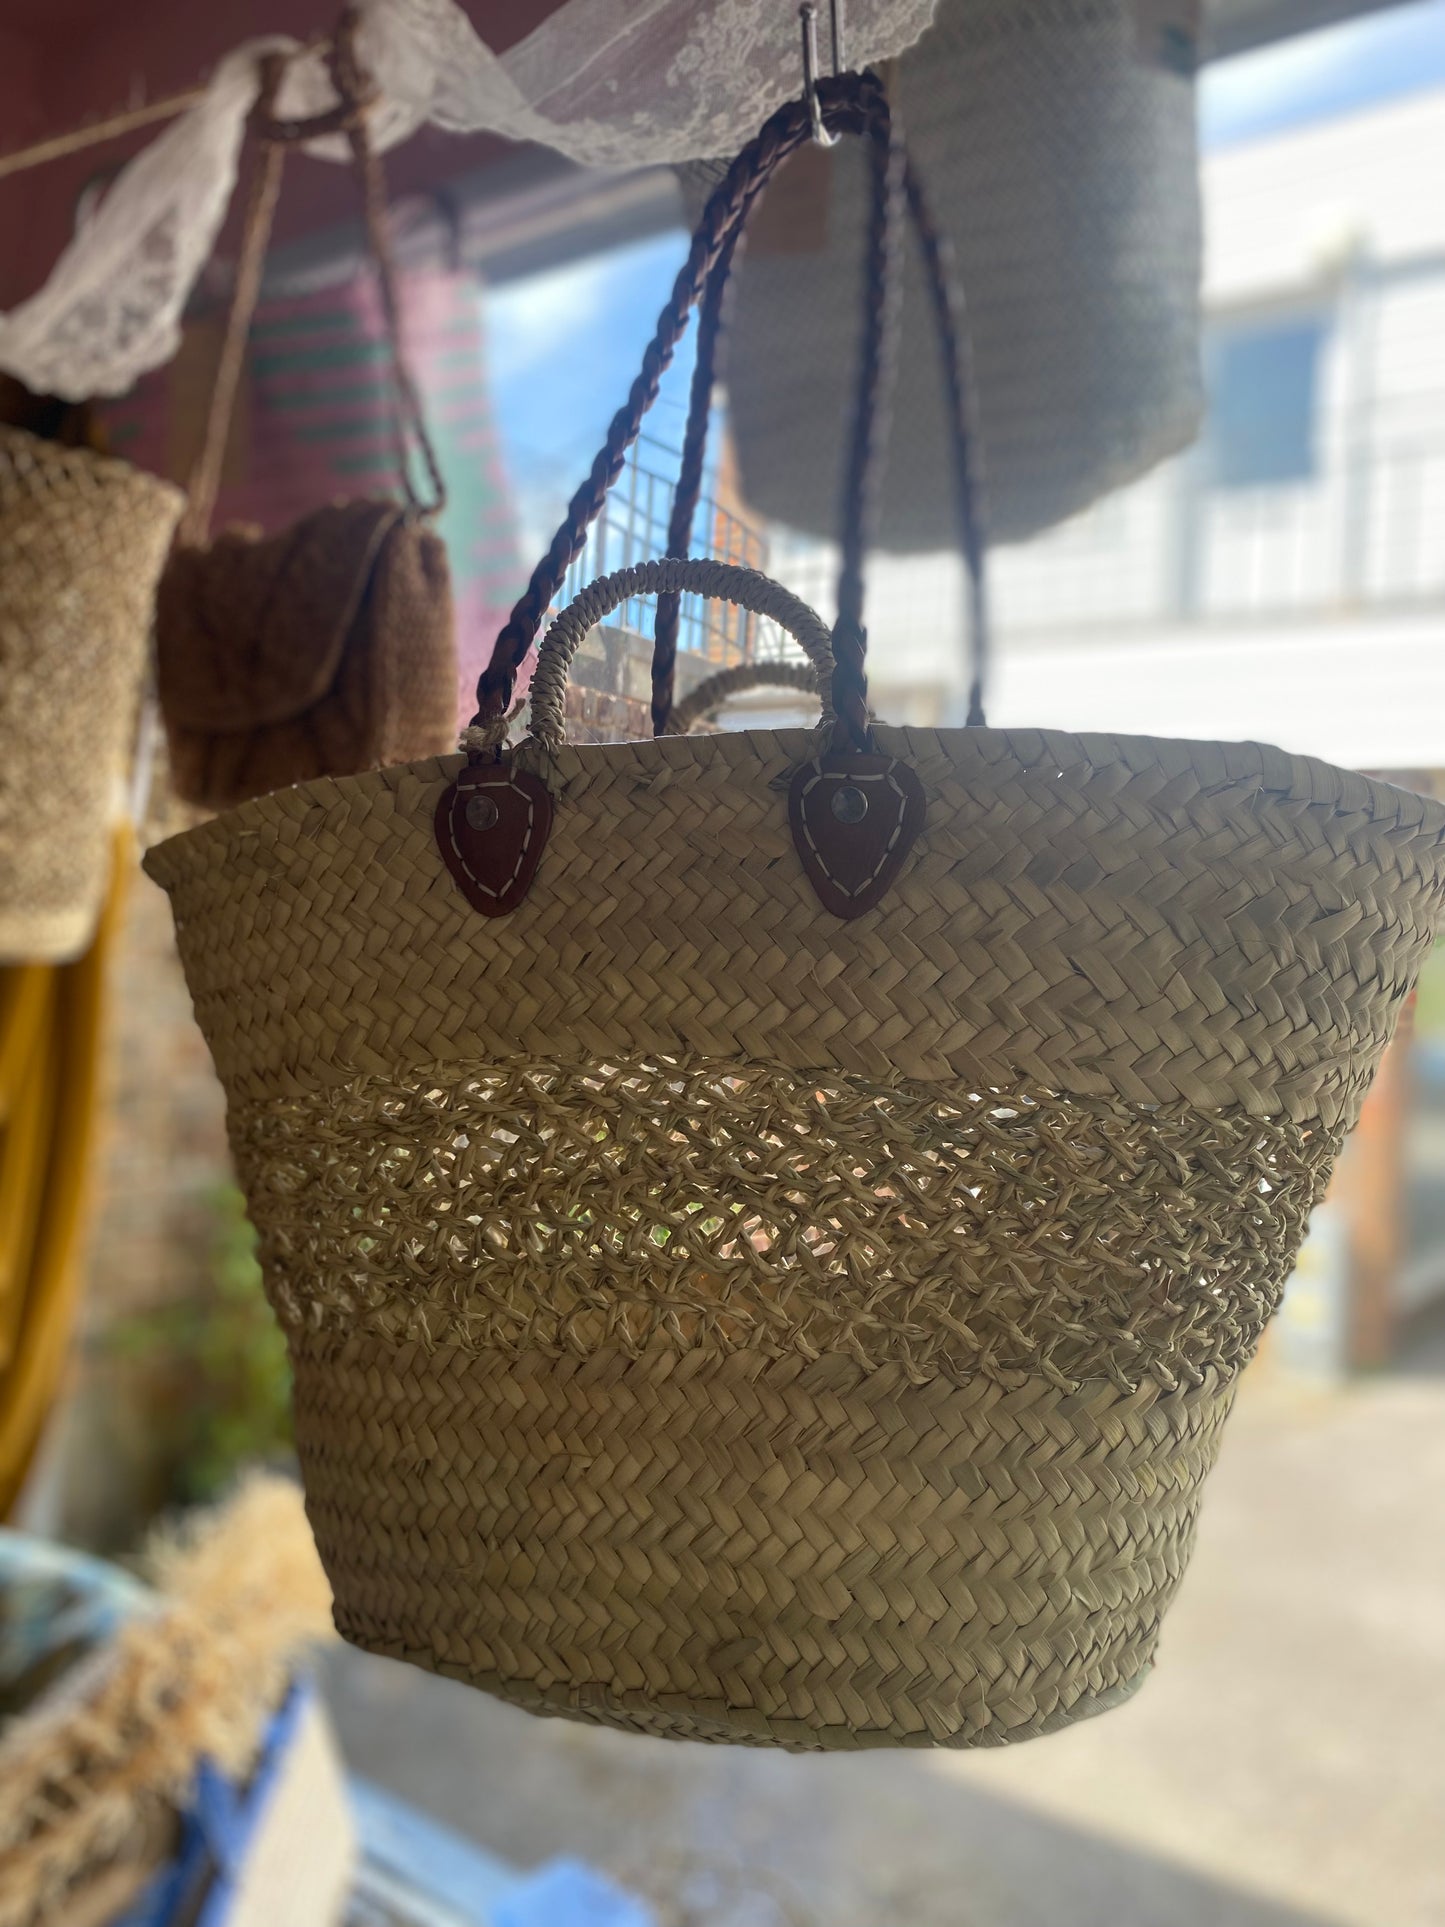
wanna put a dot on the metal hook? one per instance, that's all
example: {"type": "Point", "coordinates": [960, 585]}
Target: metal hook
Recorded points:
{"type": "Point", "coordinates": [808, 15]}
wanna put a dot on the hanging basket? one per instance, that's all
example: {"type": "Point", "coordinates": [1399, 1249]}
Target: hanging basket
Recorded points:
{"type": "Point", "coordinates": [1059, 145]}
{"type": "Point", "coordinates": [329, 647]}
{"type": "Point", "coordinates": [82, 540]}
{"type": "Point", "coordinates": [715, 1320]}
{"type": "Point", "coordinates": [752, 1275]}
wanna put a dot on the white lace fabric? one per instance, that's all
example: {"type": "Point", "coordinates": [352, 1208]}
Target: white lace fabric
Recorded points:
{"type": "Point", "coordinates": [609, 83]}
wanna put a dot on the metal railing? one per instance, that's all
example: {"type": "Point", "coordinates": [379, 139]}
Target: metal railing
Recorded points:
{"type": "Point", "coordinates": [1363, 533]}
{"type": "Point", "coordinates": [633, 528]}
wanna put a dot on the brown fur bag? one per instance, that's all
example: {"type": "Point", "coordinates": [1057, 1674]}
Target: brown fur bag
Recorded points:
{"type": "Point", "coordinates": [325, 650]}
{"type": "Point", "coordinates": [328, 649]}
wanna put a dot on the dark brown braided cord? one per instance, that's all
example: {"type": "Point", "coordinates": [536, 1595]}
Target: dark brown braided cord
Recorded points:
{"type": "Point", "coordinates": [710, 316]}
{"type": "Point", "coordinates": [951, 316]}
{"type": "Point", "coordinates": [689, 481]}
{"type": "Point", "coordinates": [851, 103]}
{"type": "Point", "coordinates": [882, 305]}
{"type": "Point", "coordinates": [951, 313]}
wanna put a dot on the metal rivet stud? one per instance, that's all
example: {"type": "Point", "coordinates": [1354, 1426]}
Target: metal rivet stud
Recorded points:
{"type": "Point", "coordinates": [482, 812]}
{"type": "Point", "coordinates": [848, 803]}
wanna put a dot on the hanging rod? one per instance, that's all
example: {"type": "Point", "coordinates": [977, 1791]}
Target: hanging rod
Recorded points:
{"type": "Point", "coordinates": [91, 135]}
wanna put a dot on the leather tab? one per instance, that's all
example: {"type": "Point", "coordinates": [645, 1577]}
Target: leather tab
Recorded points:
{"type": "Point", "coordinates": [492, 826]}
{"type": "Point", "coordinates": [854, 818]}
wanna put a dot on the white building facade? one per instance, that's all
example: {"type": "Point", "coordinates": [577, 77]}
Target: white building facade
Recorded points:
{"type": "Point", "coordinates": [1284, 579]}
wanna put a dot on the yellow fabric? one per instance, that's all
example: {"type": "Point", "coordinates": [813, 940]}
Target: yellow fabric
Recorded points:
{"type": "Point", "coordinates": [50, 1037]}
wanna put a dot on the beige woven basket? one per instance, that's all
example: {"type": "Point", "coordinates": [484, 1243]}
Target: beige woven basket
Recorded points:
{"type": "Point", "coordinates": [82, 540]}
{"type": "Point", "coordinates": [783, 1281]}
{"type": "Point", "coordinates": [716, 1320]}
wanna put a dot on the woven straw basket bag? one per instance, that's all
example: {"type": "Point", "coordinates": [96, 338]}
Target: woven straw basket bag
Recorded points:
{"type": "Point", "coordinates": [768, 1224]}
{"type": "Point", "coordinates": [82, 540]}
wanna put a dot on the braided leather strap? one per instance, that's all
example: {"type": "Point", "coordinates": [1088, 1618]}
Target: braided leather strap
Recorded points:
{"type": "Point", "coordinates": [852, 103]}
{"type": "Point", "coordinates": [951, 317]}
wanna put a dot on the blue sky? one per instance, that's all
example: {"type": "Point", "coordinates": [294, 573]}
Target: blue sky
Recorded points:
{"type": "Point", "coordinates": [1398, 50]}
{"type": "Point", "coordinates": [565, 348]}
{"type": "Point", "coordinates": [566, 345]}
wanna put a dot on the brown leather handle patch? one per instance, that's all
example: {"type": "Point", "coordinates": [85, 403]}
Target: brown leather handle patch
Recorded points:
{"type": "Point", "coordinates": [854, 818]}
{"type": "Point", "coordinates": [492, 826]}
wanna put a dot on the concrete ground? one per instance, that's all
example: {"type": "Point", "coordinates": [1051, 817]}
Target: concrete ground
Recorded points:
{"type": "Point", "coordinates": [1284, 1767]}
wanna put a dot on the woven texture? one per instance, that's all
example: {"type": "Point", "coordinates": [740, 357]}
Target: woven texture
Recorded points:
{"type": "Point", "coordinates": [94, 1778]}
{"type": "Point", "coordinates": [82, 540]}
{"type": "Point", "coordinates": [1057, 138]}
{"type": "Point", "coordinates": [320, 652]}
{"type": "Point", "coordinates": [895, 1224]}
{"type": "Point", "coordinates": [808, 1555]}
{"type": "Point", "coordinates": [1098, 916]}
{"type": "Point", "coordinates": [712, 1320]}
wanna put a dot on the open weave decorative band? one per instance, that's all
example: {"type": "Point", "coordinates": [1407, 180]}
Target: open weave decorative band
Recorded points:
{"type": "Point", "coordinates": [700, 1206]}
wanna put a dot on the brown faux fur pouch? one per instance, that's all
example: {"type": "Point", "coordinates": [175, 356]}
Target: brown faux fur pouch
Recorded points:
{"type": "Point", "coordinates": [329, 649]}
{"type": "Point", "coordinates": [319, 652]}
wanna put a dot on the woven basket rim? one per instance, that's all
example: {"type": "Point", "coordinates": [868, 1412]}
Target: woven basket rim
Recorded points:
{"type": "Point", "coordinates": [1299, 778]}
{"type": "Point", "coordinates": [107, 468]}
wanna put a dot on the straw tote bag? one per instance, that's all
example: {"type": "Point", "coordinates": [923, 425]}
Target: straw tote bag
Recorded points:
{"type": "Point", "coordinates": [82, 541]}
{"type": "Point", "coordinates": [768, 1224]}
{"type": "Point", "coordinates": [329, 648]}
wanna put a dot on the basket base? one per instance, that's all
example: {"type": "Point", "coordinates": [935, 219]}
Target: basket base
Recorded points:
{"type": "Point", "coordinates": [802, 1553]}
{"type": "Point", "coordinates": [725, 1726]}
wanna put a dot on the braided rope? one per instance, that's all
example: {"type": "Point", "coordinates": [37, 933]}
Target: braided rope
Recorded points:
{"type": "Point", "coordinates": [951, 315]}
{"type": "Point", "coordinates": [689, 481]}
{"type": "Point", "coordinates": [882, 307]}
{"type": "Point", "coordinates": [854, 103]}
{"type": "Point", "coordinates": [714, 691]}
{"type": "Point", "coordinates": [673, 574]}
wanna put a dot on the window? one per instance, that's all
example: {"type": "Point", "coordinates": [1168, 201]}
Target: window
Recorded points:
{"type": "Point", "coordinates": [1262, 386]}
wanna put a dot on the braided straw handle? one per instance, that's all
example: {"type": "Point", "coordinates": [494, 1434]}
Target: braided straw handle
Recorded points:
{"type": "Point", "coordinates": [714, 691]}
{"type": "Point", "coordinates": [723, 580]}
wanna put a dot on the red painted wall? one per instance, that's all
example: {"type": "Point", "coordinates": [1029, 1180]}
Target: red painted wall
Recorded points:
{"type": "Point", "coordinates": [63, 62]}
